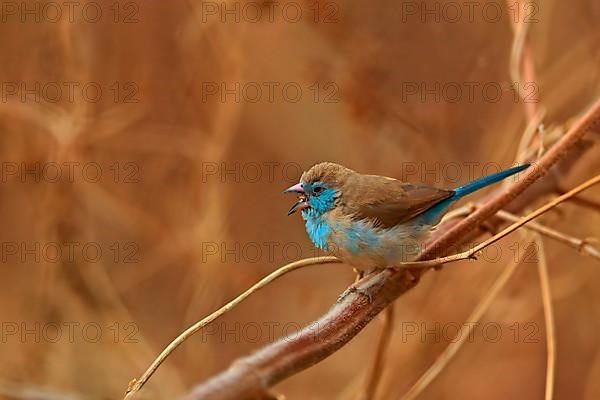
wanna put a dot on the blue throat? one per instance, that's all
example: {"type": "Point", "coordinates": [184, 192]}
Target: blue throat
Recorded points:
{"type": "Point", "coordinates": [317, 226]}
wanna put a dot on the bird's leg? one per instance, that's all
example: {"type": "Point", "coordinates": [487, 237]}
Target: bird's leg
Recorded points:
{"type": "Point", "coordinates": [359, 274]}
{"type": "Point", "coordinates": [353, 289]}
{"type": "Point", "coordinates": [365, 291]}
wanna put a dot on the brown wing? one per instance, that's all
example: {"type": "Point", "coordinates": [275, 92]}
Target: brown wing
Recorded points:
{"type": "Point", "coordinates": [389, 202]}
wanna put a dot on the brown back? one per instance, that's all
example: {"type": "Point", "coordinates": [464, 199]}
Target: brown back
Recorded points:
{"type": "Point", "coordinates": [388, 202]}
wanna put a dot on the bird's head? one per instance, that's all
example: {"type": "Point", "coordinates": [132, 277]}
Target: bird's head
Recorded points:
{"type": "Point", "coordinates": [319, 189]}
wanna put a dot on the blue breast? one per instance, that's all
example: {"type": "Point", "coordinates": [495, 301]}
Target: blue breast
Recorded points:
{"type": "Point", "coordinates": [318, 228]}
{"type": "Point", "coordinates": [357, 236]}
{"type": "Point", "coordinates": [360, 243]}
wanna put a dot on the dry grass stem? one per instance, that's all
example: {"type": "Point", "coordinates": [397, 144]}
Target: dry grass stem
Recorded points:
{"type": "Point", "coordinates": [548, 317]}
{"type": "Point", "coordinates": [534, 126]}
{"type": "Point", "coordinates": [590, 204]}
{"type": "Point", "coordinates": [376, 369]}
{"type": "Point", "coordinates": [581, 245]}
{"type": "Point", "coordinates": [522, 67]}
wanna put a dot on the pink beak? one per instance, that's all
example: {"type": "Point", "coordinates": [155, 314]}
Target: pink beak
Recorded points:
{"type": "Point", "coordinates": [302, 202]}
{"type": "Point", "coordinates": [297, 188]}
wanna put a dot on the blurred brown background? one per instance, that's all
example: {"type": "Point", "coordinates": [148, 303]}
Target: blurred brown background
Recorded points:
{"type": "Point", "coordinates": [145, 145]}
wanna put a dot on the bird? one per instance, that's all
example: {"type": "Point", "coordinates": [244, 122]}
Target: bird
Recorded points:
{"type": "Point", "coordinates": [374, 222]}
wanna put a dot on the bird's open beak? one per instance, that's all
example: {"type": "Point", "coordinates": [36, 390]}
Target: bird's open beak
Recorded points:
{"type": "Point", "coordinates": [302, 202]}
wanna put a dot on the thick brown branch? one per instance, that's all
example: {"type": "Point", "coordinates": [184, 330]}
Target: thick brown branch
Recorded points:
{"type": "Point", "coordinates": [249, 377]}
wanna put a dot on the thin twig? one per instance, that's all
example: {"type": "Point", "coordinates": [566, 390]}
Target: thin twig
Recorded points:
{"type": "Point", "coordinates": [533, 127]}
{"type": "Point", "coordinates": [450, 351]}
{"type": "Point", "coordinates": [460, 212]}
{"type": "Point", "coordinates": [582, 201]}
{"type": "Point", "coordinates": [136, 384]}
{"type": "Point", "coordinates": [588, 203]}
{"type": "Point", "coordinates": [548, 317]}
{"type": "Point", "coordinates": [374, 378]}
{"type": "Point", "coordinates": [548, 139]}
{"type": "Point", "coordinates": [581, 245]}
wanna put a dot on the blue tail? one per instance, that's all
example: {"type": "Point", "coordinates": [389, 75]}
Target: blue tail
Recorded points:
{"type": "Point", "coordinates": [486, 181]}
{"type": "Point", "coordinates": [434, 214]}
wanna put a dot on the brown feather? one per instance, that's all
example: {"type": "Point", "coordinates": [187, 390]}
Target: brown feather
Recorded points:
{"type": "Point", "coordinates": [386, 202]}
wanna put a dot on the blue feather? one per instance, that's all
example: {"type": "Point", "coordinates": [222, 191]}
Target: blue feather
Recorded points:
{"type": "Point", "coordinates": [433, 215]}
{"type": "Point", "coordinates": [317, 227]}
{"type": "Point", "coordinates": [486, 181]}
{"type": "Point", "coordinates": [360, 235]}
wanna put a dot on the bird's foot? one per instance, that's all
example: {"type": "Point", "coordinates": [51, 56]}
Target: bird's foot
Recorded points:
{"type": "Point", "coordinates": [367, 289]}
{"type": "Point", "coordinates": [363, 291]}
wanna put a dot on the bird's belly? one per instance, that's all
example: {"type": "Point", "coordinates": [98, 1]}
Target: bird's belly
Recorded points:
{"type": "Point", "coordinates": [368, 248]}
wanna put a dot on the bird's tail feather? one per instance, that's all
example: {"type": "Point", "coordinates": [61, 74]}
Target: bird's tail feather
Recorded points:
{"type": "Point", "coordinates": [486, 181]}
{"type": "Point", "coordinates": [433, 215]}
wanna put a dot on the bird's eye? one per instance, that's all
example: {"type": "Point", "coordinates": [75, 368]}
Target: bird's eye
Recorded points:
{"type": "Point", "coordinates": [318, 189]}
